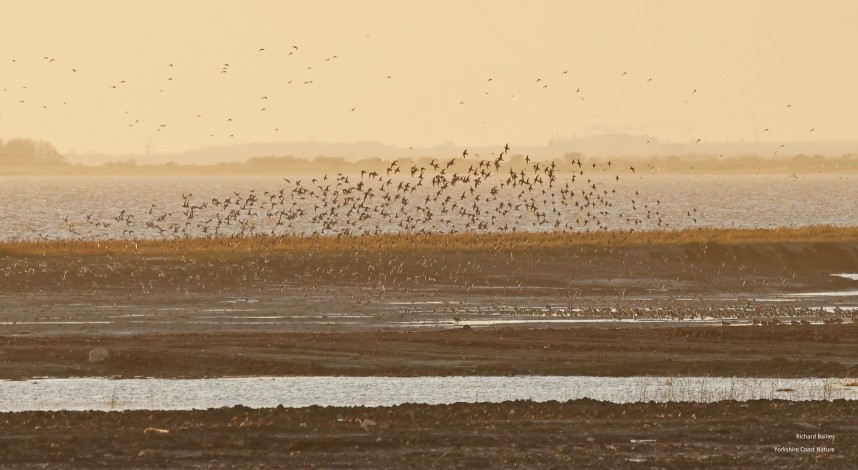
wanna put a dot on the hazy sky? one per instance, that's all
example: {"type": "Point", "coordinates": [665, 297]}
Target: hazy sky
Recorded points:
{"type": "Point", "coordinates": [418, 73]}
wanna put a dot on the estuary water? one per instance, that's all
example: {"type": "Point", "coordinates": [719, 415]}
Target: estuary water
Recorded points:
{"type": "Point", "coordinates": [170, 207]}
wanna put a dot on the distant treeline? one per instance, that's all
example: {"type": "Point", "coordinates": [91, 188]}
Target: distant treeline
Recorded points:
{"type": "Point", "coordinates": [29, 153]}
{"type": "Point", "coordinates": [750, 163]}
{"type": "Point", "coordinates": [569, 162]}
{"type": "Point", "coordinates": [26, 156]}
{"type": "Point", "coordinates": [848, 162]}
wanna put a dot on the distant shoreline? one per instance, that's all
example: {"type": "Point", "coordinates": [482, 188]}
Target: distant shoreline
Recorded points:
{"type": "Point", "coordinates": [287, 165]}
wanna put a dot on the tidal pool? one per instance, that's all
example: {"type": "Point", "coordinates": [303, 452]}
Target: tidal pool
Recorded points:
{"type": "Point", "coordinates": [262, 392]}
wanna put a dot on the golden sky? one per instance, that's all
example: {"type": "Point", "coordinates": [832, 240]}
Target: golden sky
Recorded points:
{"type": "Point", "coordinates": [152, 74]}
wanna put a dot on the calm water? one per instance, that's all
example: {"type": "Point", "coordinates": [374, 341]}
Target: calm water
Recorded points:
{"type": "Point", "coordinates": [153, 207]}
{"type": "Point", "coordinates": [265, 392]}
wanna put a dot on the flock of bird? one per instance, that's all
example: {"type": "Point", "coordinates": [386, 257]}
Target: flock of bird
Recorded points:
{"type": "Point", "coordinates": [466, 193]}
{"type": "Point", "coordinates": [500, 192]}
{"type": "Point", "coordinates": [304, 70]}
{"type": "Point", "coordinates": [23, 96]}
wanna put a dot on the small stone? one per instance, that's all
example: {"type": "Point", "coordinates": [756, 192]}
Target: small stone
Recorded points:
{"type": "Point", "coordinates": [98, 354]}
{"type": "Point", "coordinates": [367, 423]}
{"type": "Point", "coordinates": [152, 430]}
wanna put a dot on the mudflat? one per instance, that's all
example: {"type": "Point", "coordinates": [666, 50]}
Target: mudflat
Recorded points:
{"type": "Point", "coordinates": [733, 351]}
{"type": "Point", "coordinates": [704, 302]}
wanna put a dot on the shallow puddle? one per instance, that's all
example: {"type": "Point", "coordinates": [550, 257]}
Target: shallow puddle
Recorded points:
{"type": "Point", "coordinates": [262, 392]}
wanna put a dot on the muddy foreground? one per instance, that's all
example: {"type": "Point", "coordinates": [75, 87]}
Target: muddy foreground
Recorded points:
{"type": "Point", "coordinates": [513, 434]}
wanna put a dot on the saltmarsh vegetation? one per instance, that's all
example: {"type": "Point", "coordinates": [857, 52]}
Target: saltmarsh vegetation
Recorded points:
{"type": "Point", "coordinates": [480, 241]}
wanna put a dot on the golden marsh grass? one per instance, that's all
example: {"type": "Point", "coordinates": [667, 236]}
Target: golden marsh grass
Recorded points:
{"type": "Point", "coordinates": [220, 246]}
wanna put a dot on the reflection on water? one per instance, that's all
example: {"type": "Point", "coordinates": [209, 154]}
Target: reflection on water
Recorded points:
{"type": "Point", "coordinates": [265, 392]}
{"type": "Point", "coordinates": [99, 207]}
{"type": "Point", "coordinates": [843, 293]}
{"type": "Point", "coordinates": [846, 293]}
